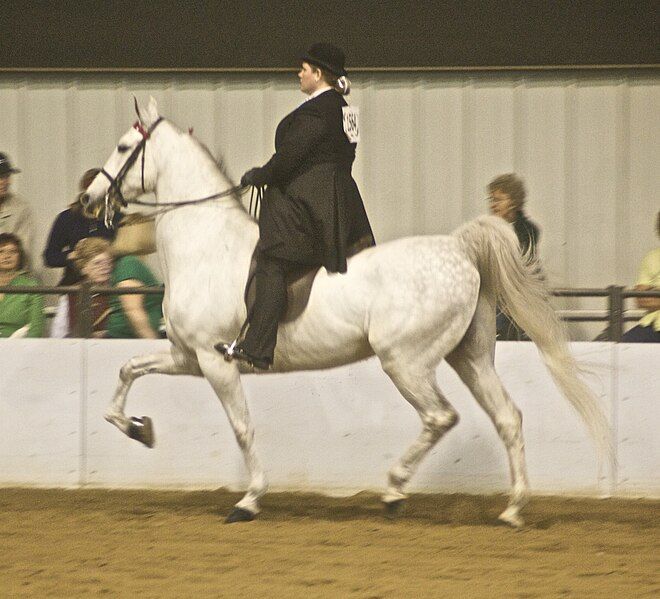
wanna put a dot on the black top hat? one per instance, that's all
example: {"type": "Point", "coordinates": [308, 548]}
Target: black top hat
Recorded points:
{"type": "Point", "coordinates": [327, 56]}
{"type": "Point", "coordinates": [5, 166]}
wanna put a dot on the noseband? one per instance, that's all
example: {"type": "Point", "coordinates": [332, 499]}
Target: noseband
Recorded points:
{"type": "Point", "coordinates": [115, 182]}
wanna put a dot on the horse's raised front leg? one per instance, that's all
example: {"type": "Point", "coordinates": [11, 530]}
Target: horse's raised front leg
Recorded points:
{"type": "Point", "coordinates": [225, 380]}
{"type": "Point", "coordinates": [169, 362]}
{"type": "Point", "coordinates": [438, 416]}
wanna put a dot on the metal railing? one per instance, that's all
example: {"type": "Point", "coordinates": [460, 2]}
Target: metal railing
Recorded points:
{"type": "Point", "coordinates": [614, 314]}
{"type": "Point", "coordinates": [83, 294]}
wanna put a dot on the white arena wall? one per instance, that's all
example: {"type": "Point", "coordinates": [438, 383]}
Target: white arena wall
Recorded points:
{"type": "Point", "coordinates": [587, 144]}
{"type": "Point", "coordinates": [334, 431]}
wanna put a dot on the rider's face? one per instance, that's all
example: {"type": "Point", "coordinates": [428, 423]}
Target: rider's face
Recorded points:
{"type": "Point", "coordinates": [310, 78]}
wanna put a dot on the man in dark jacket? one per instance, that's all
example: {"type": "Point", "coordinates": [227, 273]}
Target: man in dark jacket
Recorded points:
{"type": "Point", "coordinates": [312, 211]}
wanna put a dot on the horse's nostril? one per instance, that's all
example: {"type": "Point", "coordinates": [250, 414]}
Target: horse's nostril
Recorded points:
{"type": "Point", "coordinates": [84, 199]}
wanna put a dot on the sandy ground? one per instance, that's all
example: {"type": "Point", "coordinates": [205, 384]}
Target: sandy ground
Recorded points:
{"type": "Point", "coordinates": [86, 543]}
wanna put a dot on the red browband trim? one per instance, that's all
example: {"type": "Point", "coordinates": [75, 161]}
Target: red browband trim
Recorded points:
{"type": "Point", "coordinates": [138, 126]}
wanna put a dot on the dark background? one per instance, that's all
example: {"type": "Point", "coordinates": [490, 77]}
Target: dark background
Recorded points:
{"type": "Point", "coordinates": [171, 34]}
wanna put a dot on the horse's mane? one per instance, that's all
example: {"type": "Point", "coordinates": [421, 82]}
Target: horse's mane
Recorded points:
{"type": "Point", "coordinates": [220, 164]}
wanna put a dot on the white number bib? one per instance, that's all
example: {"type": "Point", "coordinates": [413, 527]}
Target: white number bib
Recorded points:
{"type": "Point", "coordinates": [351, 123]}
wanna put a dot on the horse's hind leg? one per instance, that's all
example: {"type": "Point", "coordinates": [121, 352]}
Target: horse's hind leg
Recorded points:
{"type": "Point", "coordinates": [437, 415]}
{"type": "Point", "coordinates": [474, 365]}
{"type": "Point", "coordinates": [169, 362]}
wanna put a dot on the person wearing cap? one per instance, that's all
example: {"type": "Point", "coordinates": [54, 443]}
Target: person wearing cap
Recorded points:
{"type": "Point", "coordinates": [312, 213]}
{"type": "Point", "coordinates": [15, 214]}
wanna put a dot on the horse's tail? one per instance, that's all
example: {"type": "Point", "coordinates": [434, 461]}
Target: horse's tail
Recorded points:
{"type": "Point", "coordinates": [514, 282]}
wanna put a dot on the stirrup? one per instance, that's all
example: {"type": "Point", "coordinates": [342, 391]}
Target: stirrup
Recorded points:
{"type": "Point", "coordinates": [226, 349]}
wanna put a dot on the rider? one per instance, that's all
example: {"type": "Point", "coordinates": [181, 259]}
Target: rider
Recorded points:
{"type": "Point", "coordinates": [312, 211]}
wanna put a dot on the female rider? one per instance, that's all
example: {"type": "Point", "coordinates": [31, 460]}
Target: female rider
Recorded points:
{"type": "Point", "coordinates": [312, 213]}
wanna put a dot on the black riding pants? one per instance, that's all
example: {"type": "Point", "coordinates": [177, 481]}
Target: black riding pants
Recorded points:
{"type": "Point", "coordinates": [269, 305]}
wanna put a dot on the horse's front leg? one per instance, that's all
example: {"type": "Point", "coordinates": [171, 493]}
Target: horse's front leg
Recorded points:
{"type": "Point", "coordinates": [168, 362]}
{"type": "Point", "coordinates": [225, 380]}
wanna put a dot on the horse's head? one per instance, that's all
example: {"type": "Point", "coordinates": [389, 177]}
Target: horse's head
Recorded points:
{"type": "Point", "coordinates": [130, 170]}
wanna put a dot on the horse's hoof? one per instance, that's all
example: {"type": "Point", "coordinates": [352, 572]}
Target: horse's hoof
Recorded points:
{"type": "Point", "coordinates": [394, 508]}
{"type": "Point", "coordinates": [239, 515]}
{"type": "Point", "coordinates": [142, 430]}
{"type": "Point", "coordinates": [511, 517]}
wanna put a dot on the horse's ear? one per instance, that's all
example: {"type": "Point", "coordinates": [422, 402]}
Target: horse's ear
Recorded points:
{"type": "Point", "coordinates": [137, 108]}
{"type": "Point", "coordinates": [152, 109]}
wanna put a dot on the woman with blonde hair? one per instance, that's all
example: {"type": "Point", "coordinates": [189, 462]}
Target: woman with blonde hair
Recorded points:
{"type": "Point", "coordinates": [119, 316]}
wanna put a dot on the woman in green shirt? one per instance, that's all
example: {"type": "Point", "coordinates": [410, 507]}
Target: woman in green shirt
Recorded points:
{"type": "Point", "coordinates": [21, 314]}
{"type": "Point", "coordinates": [130, 316]}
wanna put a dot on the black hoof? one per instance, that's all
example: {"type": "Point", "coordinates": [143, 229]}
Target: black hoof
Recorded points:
{"type": "Point", "coordinates": [142, 430]}
{"type": "Point", "coordinates": [239, 515]}
{"type": "Point", "coordinates": [393, 509]}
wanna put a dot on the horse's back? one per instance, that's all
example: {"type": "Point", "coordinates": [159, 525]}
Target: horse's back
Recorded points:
{"type": "Point", "coordinates": [401, 291]}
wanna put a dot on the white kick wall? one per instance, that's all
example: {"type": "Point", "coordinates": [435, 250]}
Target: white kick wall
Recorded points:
{"type": "Point", "coordinates": [587, 145]}
{"type": "Point", "coordinates": [335, 431]}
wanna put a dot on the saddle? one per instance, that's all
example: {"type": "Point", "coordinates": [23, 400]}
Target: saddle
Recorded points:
{"type": "Point", "coordinates": [298, 283]}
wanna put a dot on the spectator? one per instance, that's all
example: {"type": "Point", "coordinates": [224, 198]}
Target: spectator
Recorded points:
{"type": "Point", "coordinates": [21, 314]}
{"type": "Point", "coordinates": [69, 228]}
{"type": "Point", "coordinates": [647, 329]}
{"type": "Point", "coordinates": [15, 214]}
{"type": "Point", "coordinates": [129, 316]}
{"type": "Point", "coordinates": [507, 200]}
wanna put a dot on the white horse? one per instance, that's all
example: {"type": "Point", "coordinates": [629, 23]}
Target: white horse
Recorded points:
{"type": "Point", "coordinates": [412, 302]}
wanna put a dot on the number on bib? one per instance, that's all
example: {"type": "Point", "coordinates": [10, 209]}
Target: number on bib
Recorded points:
{"type": "Point", "coordinates": [351, 123]}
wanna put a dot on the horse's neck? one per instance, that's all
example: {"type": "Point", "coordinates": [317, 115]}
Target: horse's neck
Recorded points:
{"type": "Point", "coordinates": [185, 170]}
{"type": "Point", "coordinates": [207, 230]}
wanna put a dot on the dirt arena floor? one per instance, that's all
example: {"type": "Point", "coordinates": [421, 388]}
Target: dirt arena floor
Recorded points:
{"type": "Point", "coordinates": [146, 544]}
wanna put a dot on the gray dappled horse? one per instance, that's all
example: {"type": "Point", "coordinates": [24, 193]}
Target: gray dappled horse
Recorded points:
{"type": "Point", "coordinates": [412, 302]}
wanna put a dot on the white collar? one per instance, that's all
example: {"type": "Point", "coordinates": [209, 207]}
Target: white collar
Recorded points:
{"type": "Point", "coordinates": [318, 92]}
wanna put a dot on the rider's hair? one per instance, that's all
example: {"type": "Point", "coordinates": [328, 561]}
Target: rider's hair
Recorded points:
{"type": "Point", "coordinates": [87, 249]}
{"type": "Point", "coordinates": [341, 84]}
{"type": "Point", "coordinates": [512, 185]}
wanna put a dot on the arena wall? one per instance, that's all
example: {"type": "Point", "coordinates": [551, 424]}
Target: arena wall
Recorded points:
{"type": "Point", "coordinates": [334, 431]}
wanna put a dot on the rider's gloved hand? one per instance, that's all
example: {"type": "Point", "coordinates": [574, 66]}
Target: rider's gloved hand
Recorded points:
{"type": "Point", "coordinates": [255, 177]}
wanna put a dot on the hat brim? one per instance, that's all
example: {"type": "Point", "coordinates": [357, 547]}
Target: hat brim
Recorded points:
{"type": "Point", "coordinates": [324, 65]}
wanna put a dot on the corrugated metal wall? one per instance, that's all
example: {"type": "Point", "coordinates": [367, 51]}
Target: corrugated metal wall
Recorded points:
{"type": "Point", "coordinates": [587, 147]}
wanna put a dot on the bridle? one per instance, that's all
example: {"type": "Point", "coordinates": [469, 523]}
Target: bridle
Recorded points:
{"type": "Point", "coordinates": [115, 182]}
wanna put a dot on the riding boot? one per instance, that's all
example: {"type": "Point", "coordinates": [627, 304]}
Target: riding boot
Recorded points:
{"type": "Point", "coordinates": [269, 306]}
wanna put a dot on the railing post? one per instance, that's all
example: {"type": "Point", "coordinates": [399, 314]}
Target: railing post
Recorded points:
{"type": "Point", "coordinates": [615, 305]}
{"type": "Point", "coordinates": [84, 311]}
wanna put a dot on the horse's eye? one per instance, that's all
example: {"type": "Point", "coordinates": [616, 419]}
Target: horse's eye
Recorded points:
{"type": "Point", "coordinates": [121, 148]}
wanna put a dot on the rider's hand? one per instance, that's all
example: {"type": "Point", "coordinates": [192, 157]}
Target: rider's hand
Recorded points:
{"type": "Point", "coordinates": [255, 177]}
